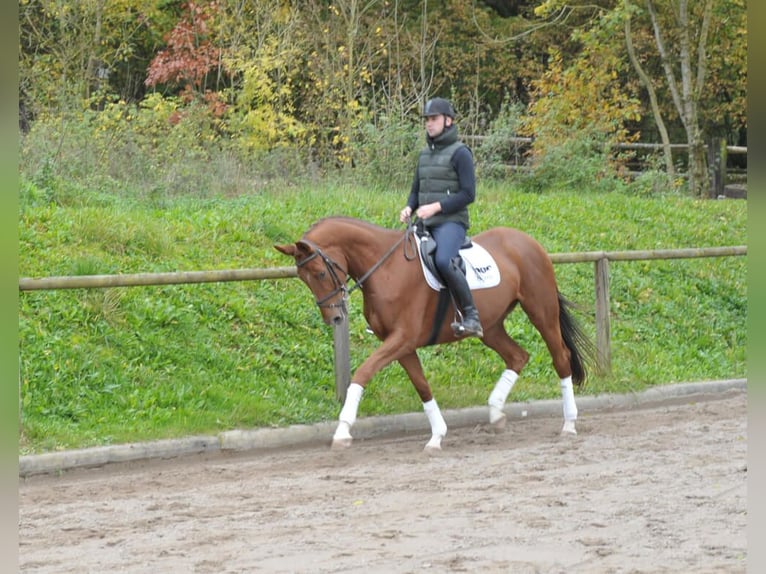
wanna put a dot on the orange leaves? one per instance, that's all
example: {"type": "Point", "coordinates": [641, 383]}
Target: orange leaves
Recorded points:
{"type": "Point", "coordinates": [190, 54]}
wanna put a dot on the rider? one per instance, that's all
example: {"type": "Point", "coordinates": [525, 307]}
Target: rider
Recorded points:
{"type": "Point", "coordinates": [443, 187]}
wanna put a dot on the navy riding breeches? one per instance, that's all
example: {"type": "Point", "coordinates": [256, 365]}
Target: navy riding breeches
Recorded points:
{"type": "Point", "coordinates": [449, 237]}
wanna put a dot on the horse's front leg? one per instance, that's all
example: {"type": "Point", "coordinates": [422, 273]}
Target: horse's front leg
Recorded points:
{"type": "Point", "coordinates": [411, 364]}
{"type": "Point", "coordinates": [390, 350]}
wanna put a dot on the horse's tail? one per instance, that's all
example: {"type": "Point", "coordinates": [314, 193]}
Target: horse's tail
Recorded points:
{"type": "Point", "coordinates": [581, 349]}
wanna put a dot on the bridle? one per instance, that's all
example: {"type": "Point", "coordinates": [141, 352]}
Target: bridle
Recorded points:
{"type": "Point", "coordinates": [332, 266]}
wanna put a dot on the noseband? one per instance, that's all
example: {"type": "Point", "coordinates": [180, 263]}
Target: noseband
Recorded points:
{"type": "Point", "coordinates": [332, 266]}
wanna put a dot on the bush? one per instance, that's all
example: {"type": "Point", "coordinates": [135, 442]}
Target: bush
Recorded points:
{"type": "Point", "coordinates": [585, 163]}
{"type": "Point", "coordinates": [497, 152]}
{"type": "Point", "coordinates": [157, 150]}
{"type": "Point", "coordinates": [385, 152]}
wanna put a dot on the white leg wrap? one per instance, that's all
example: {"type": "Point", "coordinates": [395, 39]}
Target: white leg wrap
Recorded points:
{"type": "Point", "coordinates": [498, 397]}
{"type": "Point", "coordinates": [351, 404]}
{"type": "Point", "coordinates": [567, 396]}
{"type": "Point", "coordinates": [347, 418]}
{"type": "Point", "coordinates": [342, 434]}
{"type": "Point", "coordinates": [438, 425]}
{"type": "Point", "coordinates": [502, 388]}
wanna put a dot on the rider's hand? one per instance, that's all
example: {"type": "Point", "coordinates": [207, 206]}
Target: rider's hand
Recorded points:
{"type": "Point", "coordinates": [428, 210]}
{"type": "Point", "coordinates": [405, 214]}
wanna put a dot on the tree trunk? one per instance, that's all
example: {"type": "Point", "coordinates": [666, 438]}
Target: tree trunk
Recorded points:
{"type": "Point", "coordinates": [647, 83]}
{"type": "Point", "coordinates": [686, 98]}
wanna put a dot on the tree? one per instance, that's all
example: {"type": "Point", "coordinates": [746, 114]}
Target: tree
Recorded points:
{"type": "Point", "coordinates": [672, 51]}
{"type": "Point", "coordinates": [683, 53]}
{"type": "Point", "coordinates": [685, 69]}
{"type": "Point", "coordinates": [646, 81]}
{"type": "Point", "coordinates": [191, 54]}
{"type": "Point", "coordinates": [345, 50]}
{"type": "Point", "coordinates": [588, 95]}
{"type": "Point", "coordinates": [326, 74]}
{"type": "Point", "coordinates": [71, 51]}
{"type": "Point", "coordinates": [263, 50]}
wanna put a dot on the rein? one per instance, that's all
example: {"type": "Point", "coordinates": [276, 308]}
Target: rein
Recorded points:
{"type": "Point", "coordinates": [407, 233]}
{"type": "Point", "coordinates": [332, 265]}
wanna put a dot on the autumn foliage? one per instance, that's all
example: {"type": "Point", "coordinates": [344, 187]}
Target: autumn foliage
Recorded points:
{"type": "Point", "coordinates": [326, 79]}
{"type": "Point", "coordinates": [191, 54]}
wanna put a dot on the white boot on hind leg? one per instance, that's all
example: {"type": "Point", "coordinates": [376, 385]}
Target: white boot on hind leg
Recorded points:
{"type": "Point", "coordinates": [570, 407]}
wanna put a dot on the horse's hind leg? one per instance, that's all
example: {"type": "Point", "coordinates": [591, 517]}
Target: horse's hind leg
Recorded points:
{"type": "Point", "coordinates": [515, 358]}
{"type": "Point", "coordinates": [411, 364]}
{"type": "Point", "coordinates": [546, 319]}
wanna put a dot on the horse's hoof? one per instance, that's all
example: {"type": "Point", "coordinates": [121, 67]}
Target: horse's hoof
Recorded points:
{"type": "Point", "coordinates": [434, 445]}
{"type": "Point", "coordinates": [432, 450]}
{"type": "Point", "coordinates": [497, 418]}
{"type": "Point", "coordinates": [341, 443]}
{"type": "Point", "coordinates": [500, 424]}
{"type": "Point", "coordinates": [568, 429]}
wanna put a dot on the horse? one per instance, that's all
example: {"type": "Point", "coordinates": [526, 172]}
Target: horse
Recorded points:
{"type": "Point", "coordinates": [403, 311]}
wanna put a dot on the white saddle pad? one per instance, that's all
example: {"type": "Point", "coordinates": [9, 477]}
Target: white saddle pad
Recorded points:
{"type": "Point", "coordinates": [481, 269]}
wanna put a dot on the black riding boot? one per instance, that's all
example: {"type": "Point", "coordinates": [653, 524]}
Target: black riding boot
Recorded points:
{"type": "Point", "coordinates": [458, 286]}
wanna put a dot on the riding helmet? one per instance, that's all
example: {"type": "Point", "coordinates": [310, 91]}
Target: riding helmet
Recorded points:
{"type": "Point", "coordinates": [438, 106]}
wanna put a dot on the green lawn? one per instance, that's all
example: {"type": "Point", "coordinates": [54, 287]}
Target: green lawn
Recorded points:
{"type": "Point", "coordinates": [123, 364]}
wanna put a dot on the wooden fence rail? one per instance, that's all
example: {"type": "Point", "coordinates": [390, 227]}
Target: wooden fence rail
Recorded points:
{"type": "Point", "coordinates": [717, 151]}
{"type": "Point", "coordinates": [341, 334]}
{"type": "Point", "coordinates": [602, 259]}
{"type": "Point", "coordinates": [514, 140]}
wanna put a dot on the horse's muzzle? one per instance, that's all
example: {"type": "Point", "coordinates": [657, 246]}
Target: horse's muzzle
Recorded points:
{"type": "Point", "coordinates": [333, 315]}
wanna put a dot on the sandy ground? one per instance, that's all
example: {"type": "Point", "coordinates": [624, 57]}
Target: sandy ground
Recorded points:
{"type": "Point", "coordinates": [652, 490]}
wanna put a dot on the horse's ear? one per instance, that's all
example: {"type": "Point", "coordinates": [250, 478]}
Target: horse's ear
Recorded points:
{"type": "Point", "coordinates": [298, 249]}
{"type": "Point", "coordinates": [288, 249]}
{"type": "Point", "coordinates": [304, 248]}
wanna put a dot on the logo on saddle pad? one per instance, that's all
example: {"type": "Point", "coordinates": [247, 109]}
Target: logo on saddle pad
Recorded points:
{"type": "Point", "coordinates": [481, 269]}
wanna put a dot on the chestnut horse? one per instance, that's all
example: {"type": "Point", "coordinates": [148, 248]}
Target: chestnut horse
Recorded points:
{"type": "Point", "coordinates": [401, 309]}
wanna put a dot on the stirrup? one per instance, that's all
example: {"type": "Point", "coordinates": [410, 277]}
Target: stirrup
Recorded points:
{"type": "Point", "coordinates": [461, 330]}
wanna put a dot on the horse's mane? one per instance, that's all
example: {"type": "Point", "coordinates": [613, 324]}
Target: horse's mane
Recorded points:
{"type": "Point", "coordinates": [349, 220]}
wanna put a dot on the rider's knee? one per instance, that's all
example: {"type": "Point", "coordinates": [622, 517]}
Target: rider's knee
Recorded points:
{"type": "Point", "coordinates": [443, 264]}
{"type": "Point", "coordinates": [458, 264]}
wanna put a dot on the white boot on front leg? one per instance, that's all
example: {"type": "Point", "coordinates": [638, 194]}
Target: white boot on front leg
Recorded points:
{"type": "Point", "coordinates": [498, 397]}
{"type": "Point", "coordinates": [570, 407]}
{"type": "Point", "coordinates": [342, 437]}
{"type": "Point", "coordinates": [438, 425]}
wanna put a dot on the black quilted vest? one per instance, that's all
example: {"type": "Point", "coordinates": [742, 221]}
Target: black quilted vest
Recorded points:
{"type": "Point", "coordinates": [437, 176]}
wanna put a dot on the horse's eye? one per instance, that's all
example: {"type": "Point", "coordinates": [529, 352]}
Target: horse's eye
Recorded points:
{"type": "Point", "coordinates": [321, 275]}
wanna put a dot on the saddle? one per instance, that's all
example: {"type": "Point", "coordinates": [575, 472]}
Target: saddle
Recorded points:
{"type": "Point", "coordinates": [478, 265]}
{"type": "Point", "coordinates": [427, 249]}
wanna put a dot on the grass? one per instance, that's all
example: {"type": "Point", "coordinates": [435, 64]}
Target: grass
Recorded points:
{"type": "Point", "coordinates": [125, 364]}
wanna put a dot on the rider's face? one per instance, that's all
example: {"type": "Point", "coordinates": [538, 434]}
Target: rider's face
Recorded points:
{"type": "Point", "coordinates": [435, 124]}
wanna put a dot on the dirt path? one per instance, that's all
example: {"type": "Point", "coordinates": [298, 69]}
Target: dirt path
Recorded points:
{"type": "Point", "coordinates": [653, 490]}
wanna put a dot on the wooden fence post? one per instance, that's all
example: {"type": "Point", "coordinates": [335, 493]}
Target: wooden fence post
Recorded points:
{"type": "Point", "coordinates": [342, 358]}
{"type": "Point", "coordinates": [717, 166]}
{"type": "Point", "coordinates": [603, 329]}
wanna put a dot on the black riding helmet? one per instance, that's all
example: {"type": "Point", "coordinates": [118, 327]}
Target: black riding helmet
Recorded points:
{"type": "Point", "coordinates": [438, 106]}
